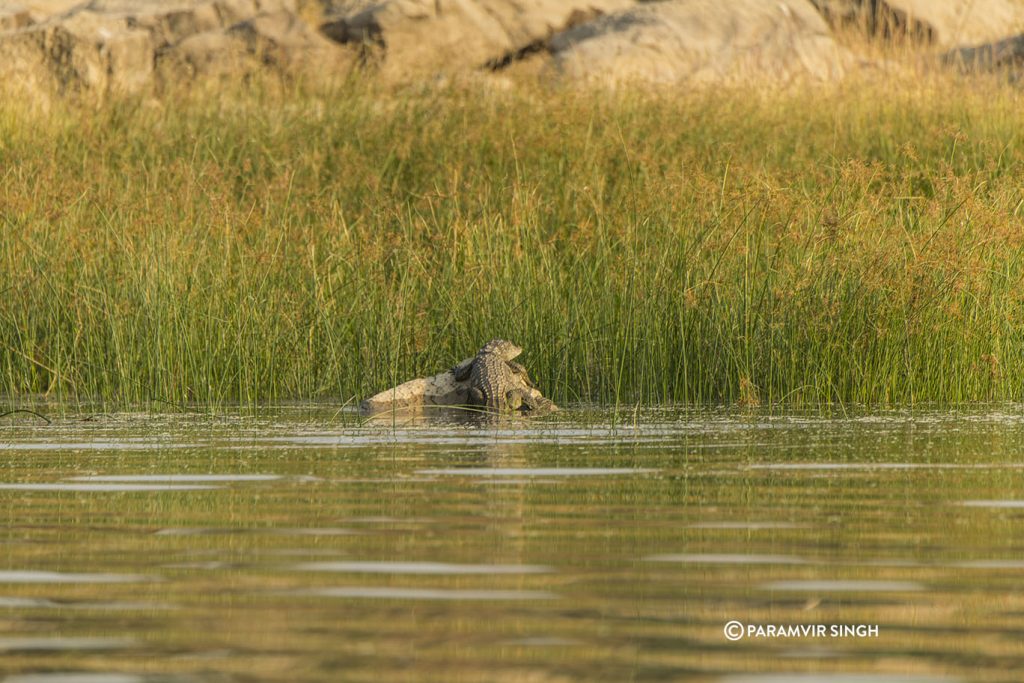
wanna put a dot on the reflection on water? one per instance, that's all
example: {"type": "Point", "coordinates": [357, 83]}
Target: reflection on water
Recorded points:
{"type": "Point", "coordinates": [993, 503]}
{"type": "Point", "coordinates": [100, 488]}
{"type": "Point", "coordinates": [54, 644]}
{"type": "Point", "coordinates": [842, 586]}
{"type": "Point", "coordinates": [292, 547]}
{"type": "Point", "coordinates": [385, 592]}
{"type": "Point", "coordinates": [417, 568]}
{"type": "Point", "coordinates": [750, 526]}
{"type": "Point", "coordinates": [89, 677]}
{"type": "Point", "coordinates": [213, 531]}
{"type": "Point", "coordinates": [711, 558]}
{"type": "Point", "coordinates": [534, 471]}
{"type": "Point", "coordinates": [797, 677]}
{"type": "Point", "coordinates": [178, 477]}
{"type": "Point", "coordinates": [30, 576]}
{"type": "Point", "coordinates": [36, 603]}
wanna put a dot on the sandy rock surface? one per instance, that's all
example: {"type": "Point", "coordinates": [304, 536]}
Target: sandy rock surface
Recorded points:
{"type": "Point", "coordinates": [277, 41]}
{"type": "Point", "coordinates": [108, 47]}
{"type": "Point", "coordinates": [38, 10]}
{"type": "Point", "coordinates": [945, 23]}
{"type": "Point", "coordinates": [702, 41]}
{"type": "Point", "coordinates": [408, 38]}
{"type": "Point", "coordinates": [98, 48]}
{"type": "Point", "coordinates": [14, 17]}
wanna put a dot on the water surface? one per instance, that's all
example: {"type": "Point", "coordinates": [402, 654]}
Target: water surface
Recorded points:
{"type": "Point", "coordinates": [301, 546]}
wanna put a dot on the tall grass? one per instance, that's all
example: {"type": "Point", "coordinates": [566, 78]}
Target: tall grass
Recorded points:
{"type": "Point", "coordinates": [860, 244]}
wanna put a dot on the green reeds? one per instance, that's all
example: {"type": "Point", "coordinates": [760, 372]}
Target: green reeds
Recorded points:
{"type": "Point", "coordinates": [852, 245]}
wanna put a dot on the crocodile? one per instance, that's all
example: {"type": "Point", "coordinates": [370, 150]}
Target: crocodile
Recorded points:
{"type": "Point", "coordinates": [496, 381]}
{"type": "Point", "coordinates": [454, 387]}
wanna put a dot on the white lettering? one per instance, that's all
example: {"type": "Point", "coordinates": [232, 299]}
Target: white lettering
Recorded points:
{"type": "Point", "coordinates": [811, 630]}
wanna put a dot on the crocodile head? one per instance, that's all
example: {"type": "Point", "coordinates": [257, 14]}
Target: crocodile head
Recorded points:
{"type": "Point", "coordinates": [504, 349]}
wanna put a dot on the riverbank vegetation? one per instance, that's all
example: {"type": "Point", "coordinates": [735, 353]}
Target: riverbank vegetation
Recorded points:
{"type": "Point", "coordinates": [860, 244]}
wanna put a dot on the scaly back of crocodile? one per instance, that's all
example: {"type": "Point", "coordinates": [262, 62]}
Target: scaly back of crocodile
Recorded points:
{"type": "Point", "coordinates": [491, 377]}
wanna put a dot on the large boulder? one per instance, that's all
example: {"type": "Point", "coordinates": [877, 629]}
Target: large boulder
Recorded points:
{"type": "Point", "coordinates": [339, 9]}
{"type": "Point", "coordinates": [702, 42]}
{"type": "Point", "coordinates": [37, 10]}
{"type": "Point", "coordinates": [945, 23]}
{"type": "Point", "coordinates": [105, 47]}
{"type": "Point", "coordinates": [1001, 55]}
{"type": "Point", "coordinates": [280, 43]}
{"type": "Point", "coordinates": [14, 17]}
{"type": "Point", "coordinates": [414, 38]}
{"type": "Point", "coordinates": [88, 53]}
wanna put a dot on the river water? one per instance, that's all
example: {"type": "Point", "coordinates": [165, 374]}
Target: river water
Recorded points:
{"type": "Point", "coordinates": [302, 546]}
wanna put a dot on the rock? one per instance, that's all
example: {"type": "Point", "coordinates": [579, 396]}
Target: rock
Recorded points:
{"type": "Point", "coordinates": [702, 42]}
{"type": "Point", "coordinates": [437, 391]}
{"type": "Point", "coordinates": [38, 10]}
{"type": "Point", "coordinates": [415, 38]}
{"type": "Point", "coordinates": [279, 42]}
{"type": "Point", "coordinates": [339, 9]}
{"type": "Point", "coordinates": [945, 23]}
{"type": "Point", "coordinates": [14, 17]}
{"type": "Point", "coordinates": [1002, 54]}
{"type": "Point", "coordinates": [112, 46]}
{"type": "Point", "coordinates": [85, 55]}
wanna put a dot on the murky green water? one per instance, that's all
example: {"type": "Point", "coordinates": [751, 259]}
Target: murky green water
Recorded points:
{"type": "Point", "coordinates": [139, 549]}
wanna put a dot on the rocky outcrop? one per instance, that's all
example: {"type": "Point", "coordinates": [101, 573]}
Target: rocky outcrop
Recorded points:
{"type": "Point", "coordinates": [1007, 54]}
{"type": "Point", "coordinates": [115, 46]}
{"type": "Point", "coordinates": [81, 51]}
{"type": "Point", "coordinates": [14, 17]}
{"type": "Point", "coordinates": [411, 38]}
{"type": "Point", "coordinates": [702, 41]}
{"type": "Point", "coordinates": [279, 42]}
{"type": "Point", "coordinates": [36, 10]}
{"type": "Point", "coordinates": [945, 23]}
{"type": "Point", "coordinates": [437, 390]}
{"type": "Point", "coordinates": [339, 9]}
{"type": "Point", "coordinates": [98, 48]}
